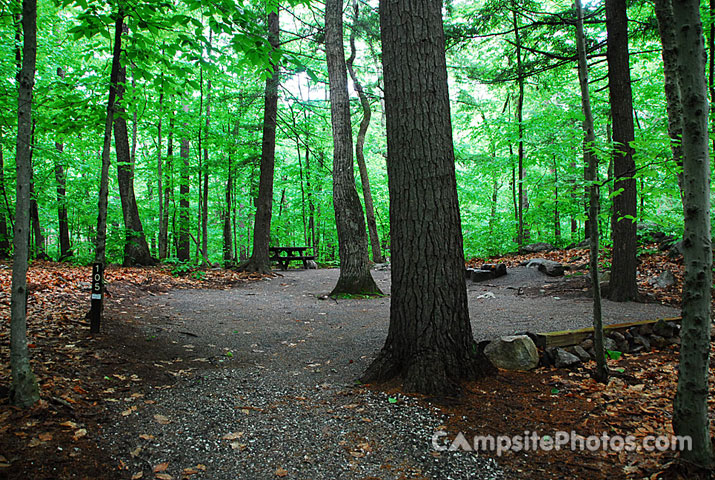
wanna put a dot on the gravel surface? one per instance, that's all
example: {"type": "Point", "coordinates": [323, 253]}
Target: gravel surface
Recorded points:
{"type": "Point", "coordinates": [264, 386]}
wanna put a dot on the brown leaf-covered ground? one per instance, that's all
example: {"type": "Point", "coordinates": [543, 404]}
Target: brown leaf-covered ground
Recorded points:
{"type": "Point", "coordinates": [52, 440]}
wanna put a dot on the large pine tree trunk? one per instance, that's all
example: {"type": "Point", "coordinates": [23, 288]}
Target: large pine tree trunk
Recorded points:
{"type": "Point", "coordinates": [589, 154]}
{"type": "Point", "coordinates": [623, 285]}
{"type": "Point", "coordinates": [690, 412]}
{"type": "Point", "coordinates": [359, 148]}
{"type": "Point", "coordinates": [355, 276]}
{"type": "Point", "coordinates": [664, 14]}
{"type": "Point", "coordinates": [429, 342]}
{"type": "Point", "coordinates": [259, 261]}
{"type": "Point", "coordinates": [23, 390]}
{"type": "Point", "coordinates": [136, 249]}
{"type": "Point", "coordinates": [101, 239]}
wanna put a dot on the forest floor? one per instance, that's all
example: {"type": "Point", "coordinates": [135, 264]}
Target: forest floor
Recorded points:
{"type": "Point", "coordinates": [232, 376]}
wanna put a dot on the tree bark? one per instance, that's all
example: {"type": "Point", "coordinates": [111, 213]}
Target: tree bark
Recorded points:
{"type": "Point", "coordinates": [168, 171]}
{"type": "Point", "coordinates": [136, 249]}
{"type": "Point", "coordinates": [24, 391]}
{"type": "Point", "coordinates": [690, 410]}
{"type": "Point", "coordinates": [40, 252]}
{"type": "Point", "coordinates": [523, 232]}
{"type": "Point", "coordinates": [429, 342]}
{"type": "Point", "coordinates": [664, 15]}
{"type": "Point", "coordinates": [101, 239]}
{"type": "Point", "coordinates": [259, 260]}
{"type": "Point", "coordinates": [183, 246]}
{"type": "Point", "coordinates": [557, 213]}
{"type": "Point", "coordinates": [359, 148]}
{"type": "Point", "coordinates": [228, 256]}
{"type": "Point", "coordinates": [205, 190]}
{"type": "Point", "coordinates": [4, 234]}
{"type": "Point", "coordinates": [61, 179]}
{"type": "Point", "coordinates": [591, 160]}
{"type": "Point", "coordinates": [623, 286]}
{"type": "Point", "coordinates": [355, 276]}
{"type": "Point", "coordinates": [163, 225]}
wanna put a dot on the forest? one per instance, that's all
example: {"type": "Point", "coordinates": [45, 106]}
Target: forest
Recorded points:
{"type": "Point", "coordinates": [192, 106]}
{"type": "Point", "coordinates": [196, 134]}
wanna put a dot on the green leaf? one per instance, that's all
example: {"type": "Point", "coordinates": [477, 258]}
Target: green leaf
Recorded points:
{"type": "Point", "coordinates": [392, 400]}
{"type": "Point", "coordinates": [555, 391]}
{"type": "Point", "coordinates": [614, 354]}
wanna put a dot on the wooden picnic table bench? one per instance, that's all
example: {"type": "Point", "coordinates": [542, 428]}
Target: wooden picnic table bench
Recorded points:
{"type": "Point", "coordinates": [284, 255]}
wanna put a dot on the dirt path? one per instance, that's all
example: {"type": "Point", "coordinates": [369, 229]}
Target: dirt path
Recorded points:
{"type": "Point", "coordinates": [257, 382]}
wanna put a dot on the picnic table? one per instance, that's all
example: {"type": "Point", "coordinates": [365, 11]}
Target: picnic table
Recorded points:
{"type": "Point", "coordinates": [284, 255]}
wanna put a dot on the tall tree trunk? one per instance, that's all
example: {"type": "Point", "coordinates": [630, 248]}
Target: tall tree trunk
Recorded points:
{"type": "Point", "coordinates": [228, 256]}
{"type": "Point", "coordinates": [623, 286]}
{"type": "Point", "coordinates": [101, 239]}
{"type": "Point", "coordinates": [61, 179]}
{"type": "Point", "coordinates": [355, 276]}
{"type": "Point", "coordinates": [36, 229]}
{"type": "Point", "coordinates": [523, 232]}
{"type": "Point", "coordinates": [24, 390]}
{"type": "Point", "coordinates": [664, 15]}
{"type": "Point", "coordinates": [311, 204]}
{"type": "Point", "coordinates": [136, 249]}
{"type": "Point", "coordinates": [690, 411]}
{"type": "Point", "coordinates": [493, 212]}
{"type": "Point", "coordinates": [557, 214]}
{"type": "Point", "coordinates": [163, 225]}
{"type": "Point", "coordinates": [183, 247]}
{"type": "Point", "coordinates": [168, 191]}
{"type": "Point", "coordinates": [205, 191]}
{"type": "Point", "coordinates": [259, 261]}
{"type": "Point", "coordinates": [63, 223]}
{"type": "Point", "coordinates": [601, 373]}
{"type": "Point", "coordinates": [360, 144]}
{"type": "Point", "coordinates": [4, 234]}
{"type": "Point", "coordinates": [429, 342]}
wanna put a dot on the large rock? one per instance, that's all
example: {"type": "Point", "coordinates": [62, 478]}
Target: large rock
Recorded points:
{"type": "Point", "coordinates": [665, 329]}
{"type": "Point", "coordinates": [664, 280]}
{"type": "Point", "coordinates": [481, 275]}
{"type": "Point", "coordinates": [676, 250]}
{"type": "Point", "coordinates": [516, 352]}
{"type": "Point", "coordinates": [537, 247]}
{"type": "Point", "coordinates": [610, 344]}
{"type": "Point", "coordinates": [548, 267]}
{"type": "Point", "coordinates": [564, 359]}
{"type": "Point", "coordinates": [581, 353]}
{"type": "Point", "coordinates": [498, 269]}
{"type": "Point", "coordinates": [621, 342]}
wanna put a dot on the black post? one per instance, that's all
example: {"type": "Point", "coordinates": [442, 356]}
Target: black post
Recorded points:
{"type": "Point", "coordinates": [95, 312]}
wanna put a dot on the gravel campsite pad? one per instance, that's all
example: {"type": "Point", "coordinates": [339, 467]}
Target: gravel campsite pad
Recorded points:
{"type": "Point", "coordinates": [258, 381]}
